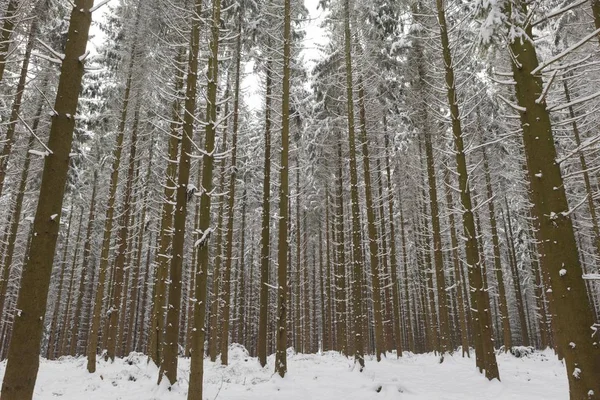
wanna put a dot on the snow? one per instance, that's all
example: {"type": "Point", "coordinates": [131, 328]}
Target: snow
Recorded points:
{"type": "Point", "coordinates": [38, 153]}
{"type": "Point", "coordinates": [538, 376]}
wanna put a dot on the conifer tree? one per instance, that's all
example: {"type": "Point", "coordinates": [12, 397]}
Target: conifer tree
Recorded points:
{"type": "Point", "coordinates": [24, 350]}
{"type": "Point", "coordinates": [357, 262]}
{"type": "Point", "coordinates": [284, 195]}
{"type": "Point", "coordinates": [204, 228]}
{"type": "Point", "coordinates": [9, 21]}
{"type": "Point", "coordinates": [573, 314]}
{"type": "Point", "coordinates": [483, 314]}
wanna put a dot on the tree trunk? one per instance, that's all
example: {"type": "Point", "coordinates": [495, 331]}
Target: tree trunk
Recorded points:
{"type": "Point", "coordinates": [327, 290]}
{"type": "Point", "coordinates": [215, 301]}
{"type": "Point", "coordinates": [596, 13]}
{"type": "Point", "coordinates": [284, 195]}
{"type": "Point", "coordinates": [170, 346]}
{"type": "Point", "coordinates": [205, 230]}
{"type": "Point", "coordinates": [66, 327]}
{"type": "Point", "coordinates": [10, 20]}
{"type": "Point", "coordinates": [539, 296]}
{"type": "Point", "coordinates": [136, 279]}
{"type": "Point", "coordinates": [15, 219]}
{"type": "Point", "coordinates": [460, 298]}
{"type": "Point", "coordinates": [506, 332]}
{"type": "Point", "coordinates": [115, 307]}
{"type": "Point", "coordinates": [560, 259]}
{"type": "Point", "coordinates": [427, 270]}
{"type": "Point", "coordinates": [195, 261]}
{"type": "Point", "coordinates": [371, 228]}
{"type": "Point", "coordinates": [409, 321]}
{"type": "Point", "coordinates": [231, 209]}
{"type": "Point", "coordinates": [24, 351]}
{"type": "Point", "coordinates": [141, 331]}
{"type": "Point", "coordinates": [61, 283]}
{"type": "Point", "coordinates": [166, 225]}
{"type": "Point", "coordinates": [517, 281]}
{"type": "Point", "coordinates": [265, 236]}
{"type": "Point", "coordinates": [109, 220]}
{"type": "Point", "coordinates": [16, 107]}
{"type": "Point", "coordinates": [87, 248]}
{"type": "Point", "coordinates": [241, 282]}
{"type": "Point", "coordinates": [472, 254]}
{"type": "Point", "coordinates": [444, 330]}
{"type": "Point", "coordinates": [340, 270]}
{"type": "Point", "coordinates": [357, 262]}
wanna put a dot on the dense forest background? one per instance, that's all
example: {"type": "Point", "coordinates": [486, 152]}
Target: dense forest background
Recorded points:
{"type": "Point", "coordinates": [428, 183]}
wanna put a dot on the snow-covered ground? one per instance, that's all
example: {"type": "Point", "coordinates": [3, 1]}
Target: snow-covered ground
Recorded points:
{"type": "Point", "coordinates": [326, 376]}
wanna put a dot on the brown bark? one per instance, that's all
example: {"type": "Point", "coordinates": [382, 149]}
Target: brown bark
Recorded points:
{"type": "Point", "coordinates": [10, 21]}
{"type": "Point", "coordinates": [214, 331]}
{"type": "Point", "coordinates": [357, 257]}
{"type": "Point", "coordinates": [340, 268]}
{"type": "Point", "coordinates": [484, 325]}
{"type": "Point", "coordinates": [560, 261]}
{"type": "Point", "coordinates": [327, 290]}
{"type": "Point", "coordinates": [66, 324]}
{"type": "Point", "coordinates": [596, 13]}
{"type": "Point", "coordinates": [14, 220]}
{"type": "Point", "coordinates": [116, 308]}
{"type": "Point", "coordinates": [87, 248]}
{"type": "Point", "coordinates": [168, 366]}
{"type": "Point", "coordinates": [506, 332]}
{"type": "Point", "coordinates": [142, 332]}
{"type": "Point", "coordinates": [265, 235]}
{"type": "Point", "coordinates": [517, 280]}
{"type": "Point", "coordinates": [231, 208]}
{"type": "Point", "coordinates": [371, 228]}
{"type": "Point", "coordinates": [166, 224]}
{"type": "Point", "coordinates": [426, 271]}
{"type": "Point", "coordinates": [307, 297]}
{"type": "Point", "coordinates": [242, 309]}
{"type": "Point", "coordinates": [51, 354]}
{"type": "Point", "coordinates": [461, 299]}
{"type": "Point", "coordinates": [284, 196]}
{"type": "Point", "coordinates": [383, 256]}
{"type": "Point", "coordinates": [23, 353]}
{"type": "Point", "coordinates": [94, 332]}
{"type": "Point", "coordinates": [539, 296]}
{"type": "Point", "coordinates": [322, 290]}
{"type": "Point", "coordinates": [137, 265]}
{"type": "Point", "coordinates": [443, 329]}
{"type": "Point", "coordinates": [204, 228]}
{"type": "Point", "coordinates": [16, 107]}
{"type": "Point", "coordinates": [195, 261]}
{"type": "Point", "coordinates": [409, 320]}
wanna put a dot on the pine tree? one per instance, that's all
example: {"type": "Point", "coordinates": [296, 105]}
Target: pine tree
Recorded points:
{"type": "Point", "coordinates": [357, 262]}
{"type": "Point", "coordinates": [231, 191]}
{"type": "Point", "coordinates": [204, 228]}
{"type": "Point", "coordinates": [472, 253]}
{"type": "Point", "coordinates": [265, 236]}
{"type": "Point", "coordinates": [284, 195]}
{"type": "Point", "coordinates": [24, 350]}
{"type": "Point", "coordinates": [9, 21]}
{"type": "Point", "coordinates": [560, 255]}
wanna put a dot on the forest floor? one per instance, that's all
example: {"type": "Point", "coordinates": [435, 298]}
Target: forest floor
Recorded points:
{"type": "Point", "coordinates": [319, 376]}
